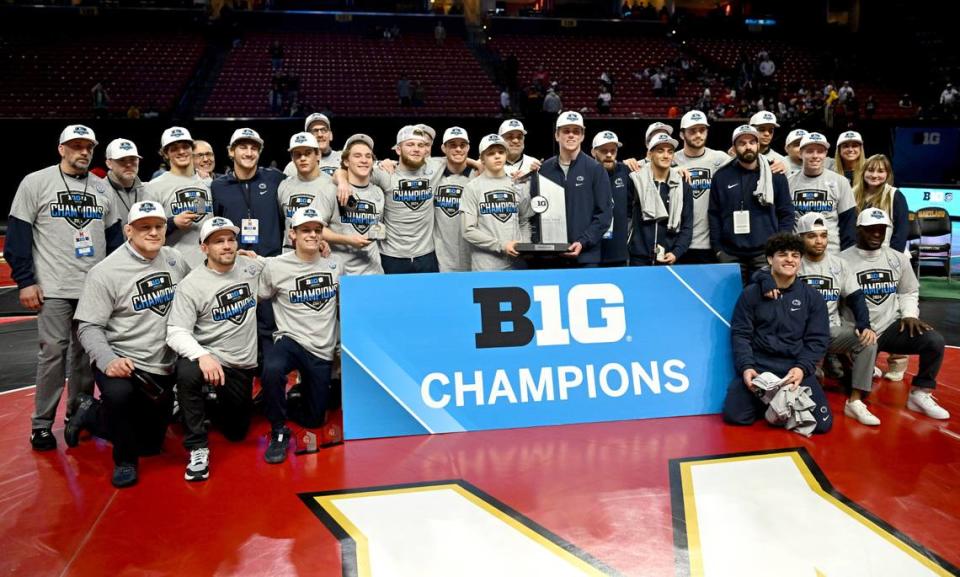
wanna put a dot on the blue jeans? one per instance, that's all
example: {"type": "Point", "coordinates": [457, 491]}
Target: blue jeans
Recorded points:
{"type": "Point", "coordinates": [425, 263]}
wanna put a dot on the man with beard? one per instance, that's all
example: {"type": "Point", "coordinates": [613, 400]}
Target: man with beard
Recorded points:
{"type": "Point", "coordinates": [356, 225]}
{"type": "Point", "coordinates": [663, 210]}
{"type": "Point", "coordinates": [185, 198]}
{"type": "Point", "coordinates": [453, 252]}
{"type": "Point", "coordinates": [328, 159]}
{"type": "Point", "coordinates": [748, 205]}
{"type": "Point", "coordinates": [214, 332]}
{"type": "Point", "coordinates": [587, 192]}
{"type": "Point", "coordinates": [786, 336]}
{"type": "Point", "coordinates": [701, 163]}
{"type": "Point", "coordinates": [307, 185]}
{"type": "Point", "coordinates": [123, 162]}
{"type": "Point", "coordinates": [408, 207]}
{"type": "Point", "coordinates": [496, 211]}
{"type": "Point", "coordinates": [518, 163]}
{"type": "Point", "coordinates": [892, 294]}
{"type": "Point", "coordinates": [303, 289]}
{"type": "Point", "coordinates": [123, 322]}
{"type": "Point", "coordinates": [63, 221]}
{"type": "Point", "coordinates": [815, 189]}
{"type": "Point", "coordinates": [205, 161]}
{"type": "Point", "coordinates": [613, 248]}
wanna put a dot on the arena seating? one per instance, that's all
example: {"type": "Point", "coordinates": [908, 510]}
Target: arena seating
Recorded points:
{"type": "Point", "coordinates": [577, 62]}
{"type": "Point", "coordinates": [354, 75]}
{"type": "Point", "coordinates": [54, 78]}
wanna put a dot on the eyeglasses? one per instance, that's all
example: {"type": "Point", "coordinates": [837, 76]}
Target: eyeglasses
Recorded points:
{"type": "Point", "coordinates": [320, 129]}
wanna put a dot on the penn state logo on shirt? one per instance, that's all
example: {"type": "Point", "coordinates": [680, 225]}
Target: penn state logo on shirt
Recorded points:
{"type": "Point", "coordinates": [824, 286]}
{"type": "Point", "coordinates": [297, 201]}
{"type": "Point", "coordinates": [314, 290]}
{"type": "Point", "coordinates": [500, 204]}
{"type": "Point", "coordinates": [877, 284]}
{"type": "Point", "coordinates": [699, 181]}
{"type": "Point", "coordinates": [155, 293]}
{"type": "Point", "coordinates": [192, 199]}
{"type": "Point", "coordinates": [447, 199]}
{"type": "Point", "coordinates": [805, 201]}
{"type": "Point", "coordinates": [77, 208]}
{"type": "Point", "coordinates": [233, 304]}
{"type": "Point", "coordinates": [361, 216]}
{"type": "Point", "coordinates": [413, 192]}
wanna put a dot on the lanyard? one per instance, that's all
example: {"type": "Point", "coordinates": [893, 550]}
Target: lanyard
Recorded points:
{"type": "Point", "coordinates": [246, 197]}
{"type": "Point", "coordinates": [86, 180]}
{"type": "Point", "coordinates": [121, 193]}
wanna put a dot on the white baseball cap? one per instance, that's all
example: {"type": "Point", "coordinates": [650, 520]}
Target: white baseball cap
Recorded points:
{"type": "Point", "coordinates": [428, 130]}
{"type": "Point", "coordinates": [455, 132]}
{"type": "Point", "coordinates": [849, 136]}
{"type": "Point", "coordinates": [78, 132]}
{"type": "Point", "coordinates": [303, 140]}
{"type": "Point", "coordinates": [795, 135]}
{"type": "Point", "coordinates": [764, 117]}
{"type": "Point", "coordinates": [742, 130]}
{"type": "Point", "coordinates": [661, 138]}
{"type": "Point", "coordinates": [245, 134]}
{"type": "Point", "coordinates": [359, 138]}
{"type": "Point", "coordinates": [146, 209]}
{"type": "Point", "coordinates": [606, 137]}
{"type": "Point", "coordinates": [174, 134]}
{"type": "Point", "coordinates": [121, 148]}
{"type": "Point", "coordinates": [315, 117]}
{"type": "Point", "coordinates": [511, 125]}
{"type": "Point", "coordinates": [655, 127]}
{"type": "Point", "coordinates": [492, 140]}
{"type": "Point", "coordinates": [814, 138]}
{"type": "Point", "coordinates": [811, 222]}
{"type": "Point", "coordinates": [570, 118]}
{"type": "Point", "coordinates": [410, 132]}
{"type": "Point", "coordinates": [212, 225]}
{"type": "Point", "coordinates": [304, 215]}
{"type": "Point", "coordinates": [693, 118]}
{"type": "Point", "coordinates": [872, 216]}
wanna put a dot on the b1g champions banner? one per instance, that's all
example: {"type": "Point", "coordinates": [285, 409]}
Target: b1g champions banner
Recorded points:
{"type": "Point", "coordinates": [440, 353]}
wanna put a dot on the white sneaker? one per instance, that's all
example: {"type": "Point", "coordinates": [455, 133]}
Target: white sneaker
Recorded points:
{"type": "Point", "coordinates": [895, 369]}
{"type": "Point", "coordinates": [198, 469]}
{"type": "Point", "coordinates": [859, 411]}
{"type": "Point", "coordinates": [922, 401]}
{"type": "Point", "coordinates": [877, 373]}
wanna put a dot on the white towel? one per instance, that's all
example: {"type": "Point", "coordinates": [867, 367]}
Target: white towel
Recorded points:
{"type": "Point", "coordinates": [648, 195]}
{"type": "Point", "coordinates": [764, 192]}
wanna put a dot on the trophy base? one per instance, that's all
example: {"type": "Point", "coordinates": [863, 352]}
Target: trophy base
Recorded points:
{"type": "Point", "coordinates": [542, 248]}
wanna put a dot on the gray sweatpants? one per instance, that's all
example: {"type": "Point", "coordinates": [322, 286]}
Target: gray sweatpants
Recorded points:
{"type": "Point", "coordinates": [843, 339]}
{"type": "Point", "coordinates": [57, 334]}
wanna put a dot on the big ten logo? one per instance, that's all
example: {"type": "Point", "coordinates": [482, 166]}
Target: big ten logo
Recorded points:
{"type": "Point", "coordinates": [505, 323]}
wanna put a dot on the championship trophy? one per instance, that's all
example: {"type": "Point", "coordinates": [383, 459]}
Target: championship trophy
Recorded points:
{"type": "Point", "coordinates": [549, 223]}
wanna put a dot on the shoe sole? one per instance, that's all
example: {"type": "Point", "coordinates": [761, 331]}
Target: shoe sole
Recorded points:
{"type": "Point", "coordinates": [853, 416]}
{"type": "Point", "coordinates": [71, 438]}
{"type": "Point", "coordinates": [894, 377]}
{"type": "Point", "coordinates": [44, 449]}
{"type": "Point", "coordinates": [196, 478]}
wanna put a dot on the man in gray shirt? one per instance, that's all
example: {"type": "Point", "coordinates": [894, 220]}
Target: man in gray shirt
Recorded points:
{"type": "Point", "coordinates": [815, 189]}
{"type": "Point", "coordinates": [183, 194]}
{"type": "Point", "coordinates": [304, 187]}
{"type": "Point", "coordinates": [303, 288]}
{"type": "Point", "coordinates": [453, 252]}
{"type": "Point", "coordinates": [213, 329]}
{"type": "Point", "coordinates": [328, 159]}
{"type": "Point", "coordinates": [123, 325]}
{"type": "Point", "coordinates": [62, 222]}
{"type": "Point", "coordinates": [893, 294]}
{"type": "Point", "coordinates": [123, 160]}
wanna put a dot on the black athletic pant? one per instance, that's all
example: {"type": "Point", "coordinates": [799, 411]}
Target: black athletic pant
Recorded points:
{"type": "Point", "coordinates": [231, 411]}
{"type": "Point", "coordinates": [134, 423]}
{"type": "Point", "coordinates": [929, 346]}
{"type": "Point", "coordinates": [286, 356]}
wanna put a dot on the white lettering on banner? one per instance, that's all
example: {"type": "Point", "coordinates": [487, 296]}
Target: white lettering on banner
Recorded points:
{"type": "Point", "coordinates": [554, 383]}
{"type": "Point", "coordinates": [764, 514]}
{"type": "Point", "coordinates": [578, 314]}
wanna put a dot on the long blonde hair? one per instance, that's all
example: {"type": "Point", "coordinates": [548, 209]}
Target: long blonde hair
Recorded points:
{"type": "Point", "coordinates": [878, 198]}
{"type": "Point", "coordinates": [857, 169]}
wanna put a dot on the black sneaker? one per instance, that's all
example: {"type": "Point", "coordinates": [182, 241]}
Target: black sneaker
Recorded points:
{"type": "Point", "coordinates": [277, 450]}
{"type": "Point", "coordinates": [43, 440]}
{"type": "Point", "coordinates": [83, 418]}
{"type": "Point", "coordinates": [198, 469]}
{"type": "Point", "coordinates": [124, 475]}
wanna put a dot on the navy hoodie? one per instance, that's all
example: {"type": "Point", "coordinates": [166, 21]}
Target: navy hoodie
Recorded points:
{"type": "Point", "coordinates": [645, 232]}
{"type": "Point", "coordinates": [588, 199]}
{"type": "Point", "coordinates": [777, 335]}
{"type": "Point", "coordinates": [614, 248]}
{"type": "Point", "coordinates": [732, 189]}
{"type": "Point", "coordinates": [254, 198]}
